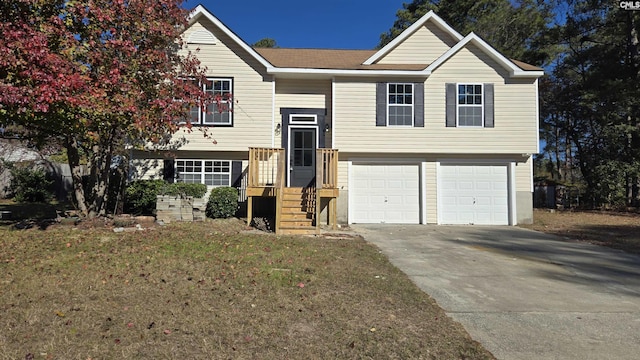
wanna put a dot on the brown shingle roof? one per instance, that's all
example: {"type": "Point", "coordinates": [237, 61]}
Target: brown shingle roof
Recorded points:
{"type": "Point", "coordinates": [328, 59]}
{"type": "Point", "coordinates": [341, 60]}
{"type": "Point", "coordinates": [526, 67]}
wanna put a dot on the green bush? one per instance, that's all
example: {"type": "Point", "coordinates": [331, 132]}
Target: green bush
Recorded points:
{"type": "Point", "coordinates": [184, 189]}
{"type": "Point", "coordinates": [223, 203]}
{"type": "Point", "coordinates": [29, 185]}
{"type": "Point", "coordinates": [142, 195]}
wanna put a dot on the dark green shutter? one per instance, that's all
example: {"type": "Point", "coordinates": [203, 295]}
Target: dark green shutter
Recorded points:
{"type": "Point", "coordinates": [418, 104]}
{"type": "Point", "coordinates": [236, 174]}
{"type": "Point", "coordinates": [488, 106]}
{"type": "Point", "coordinates": [381, 104]}
{"type": "Point", "coordinates": [169, 170]}
{"type": "Point", "coordinates": [450, 104]}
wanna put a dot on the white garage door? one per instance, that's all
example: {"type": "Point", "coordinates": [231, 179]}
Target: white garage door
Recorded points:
{"type": "Point", "coordinates": [474, 194]}
{"type": "Point", "coordinates": [385, 194]}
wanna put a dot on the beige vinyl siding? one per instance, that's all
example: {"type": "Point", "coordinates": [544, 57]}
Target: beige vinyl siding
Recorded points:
{"type": "Point", "coordinates": [515, 128]}
{"type": "Point", "coordinates": [431, 192]}
{"type": "Point", "coordinates": [343, 175]}
{"type": "Point", "coordinates": [252, 112]}
{"type": "Point", "coordinates": [516, 119]}
{"type": "Point", "coordinates": [422, 47]}
{"type": "Point", "coordinates": [147, 168]}
{"type": "Point", "coordinates": [292, 93]}
{"type": "Point", "coordinates": [523, 175]}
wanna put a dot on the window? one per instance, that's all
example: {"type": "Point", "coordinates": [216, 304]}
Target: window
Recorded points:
{"type": "Point", "coordinates": [470, 105]}
{"type": "Point", "coordinates": [208, 172]}
{"type": "Point", "coordinates": [400, 104]}
{"type": "Point", "coordinates": [221, 89]}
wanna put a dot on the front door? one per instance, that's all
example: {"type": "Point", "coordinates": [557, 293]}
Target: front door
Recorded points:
{"type": "Point", "coordinates": [302, 157]}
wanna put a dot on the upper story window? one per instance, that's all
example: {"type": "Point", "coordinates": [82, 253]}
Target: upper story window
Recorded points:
{"type": "Point", "coordinates": [222, 90]}
{"type": "Point", "coordinates": [208, 172]}
{"type": "Point", "coordinates": [400, 104]}
{"type": "Point", "coordinates": [470, 105]}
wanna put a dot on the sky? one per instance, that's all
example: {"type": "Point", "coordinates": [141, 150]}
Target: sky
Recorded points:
{"type": "Point", "coordinates": [323, 24]}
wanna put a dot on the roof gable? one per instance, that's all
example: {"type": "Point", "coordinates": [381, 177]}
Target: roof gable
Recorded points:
{"type": "Point", "coordinates": [202, 11]}
{"type": "Point", "coordinates": [515, 70]}
{"type": "Point", "coordinates": [430, 16]}
{"type": "Point", "coordinates": [327, 62]}
{"type": "Point", "coordinates": [202, 36]}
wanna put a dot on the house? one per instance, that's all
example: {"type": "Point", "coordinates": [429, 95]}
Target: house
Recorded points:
{"type": "Point", "coordinates": [434, 128]}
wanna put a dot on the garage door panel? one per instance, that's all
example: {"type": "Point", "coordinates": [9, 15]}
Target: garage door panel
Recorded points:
{"type": "Point", "coordinates": [474, 194]}
{"type": "Point", "coordinates": [385, 194]}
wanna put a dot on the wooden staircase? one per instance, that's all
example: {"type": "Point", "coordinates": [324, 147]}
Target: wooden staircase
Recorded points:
{"type": "Point", "coordinates": [296, 208]}
{"type": "Point", "coordinates": [297, 212]}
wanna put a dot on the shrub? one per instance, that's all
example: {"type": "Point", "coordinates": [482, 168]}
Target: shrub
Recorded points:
{"type": "Point", "coordinates": [30, 185]}
{"type": "Point", "coordinates": [184, 189]}
{"type": "Point", "coordinates": [142, 195]}
{"type": "Point", "coordinates": [223, 203]}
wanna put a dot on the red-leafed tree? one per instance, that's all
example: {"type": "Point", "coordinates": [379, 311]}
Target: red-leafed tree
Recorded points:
{"type": "Point", "coordinates": [94, 75]}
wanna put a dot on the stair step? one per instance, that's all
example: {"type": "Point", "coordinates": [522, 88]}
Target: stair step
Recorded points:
{"type": "Point", "coordinates": [297, 230]}
{"type": "Point", "coordinates": [300, 207]}
{"type": "Point", "coordinates": [296, 215]}
{"type": "Point", "coordinates": [286, 196]}
{"type": "Point", "coordinates": [287, 223]}
{"type": "Point", "coordinates": [293, 190]}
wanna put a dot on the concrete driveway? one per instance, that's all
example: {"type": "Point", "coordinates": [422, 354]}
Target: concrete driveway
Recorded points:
{"type": "Point", "coordinates": [521, 293]}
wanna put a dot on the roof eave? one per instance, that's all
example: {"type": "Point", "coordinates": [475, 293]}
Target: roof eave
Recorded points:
{"type": "Point", "coordinates": [526, 74]}
{"type": "Point", "coordinates": [348, 72]}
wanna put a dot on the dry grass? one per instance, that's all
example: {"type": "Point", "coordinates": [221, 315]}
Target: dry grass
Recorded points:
{"type": "Point", "coordinates": [210, 291]}
{"type": "Point", "coordinates": [612, 229]}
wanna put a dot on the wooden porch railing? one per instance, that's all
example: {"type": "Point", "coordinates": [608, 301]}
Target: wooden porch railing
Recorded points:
{"type": "Point", "coordinates": [326, 168]}
{"type": "Point", "coordinates": [327, 184]}
{"type": "Point", "coordinates": [266, 167]}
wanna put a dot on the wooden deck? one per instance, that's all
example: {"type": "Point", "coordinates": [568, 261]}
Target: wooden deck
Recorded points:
{"type": "Point", "coordinates": [297, 209]}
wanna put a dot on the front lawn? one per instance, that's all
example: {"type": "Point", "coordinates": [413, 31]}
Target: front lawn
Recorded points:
{"type": "Point", "coordinates": [211, 291]}
{"type": "Point", "coordinates": [619, 230]}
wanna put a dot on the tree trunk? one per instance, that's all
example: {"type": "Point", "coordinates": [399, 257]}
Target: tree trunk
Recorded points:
{"type": "Point", "coordinates": [73, 155]}
{"type": "Point", "coordinates": [100, 171]}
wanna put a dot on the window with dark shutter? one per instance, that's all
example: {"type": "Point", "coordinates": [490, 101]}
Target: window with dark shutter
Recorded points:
{"type": "Point", "coordinates": [400, 104]}
{"type": "Point", "coordinates": [469, 105]}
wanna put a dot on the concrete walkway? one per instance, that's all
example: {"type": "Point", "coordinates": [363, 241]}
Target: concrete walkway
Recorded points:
{"type": "Point", "coordinates": [523, 294]}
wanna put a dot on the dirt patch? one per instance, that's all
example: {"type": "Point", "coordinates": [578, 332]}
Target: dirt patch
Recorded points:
{"type": "Point", "coordinates": [612, 229]}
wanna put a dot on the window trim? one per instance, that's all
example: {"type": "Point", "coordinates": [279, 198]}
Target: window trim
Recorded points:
{"type": "Point", "coordinates": [412, 105]}
{"type": "Point", "coordinates": [313, 119]}
{"type": "Point", "coordinates": [202, 113]}
{"type": "Point", "coordinates": [202, 173]}
{"type": "Point", "coordinates": [458, 105]}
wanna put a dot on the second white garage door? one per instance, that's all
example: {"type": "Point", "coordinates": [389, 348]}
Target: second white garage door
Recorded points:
{"type": "Point", "coordinates": [473, 194]}
{"type": "Point", "coordinates": [385, 194]}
